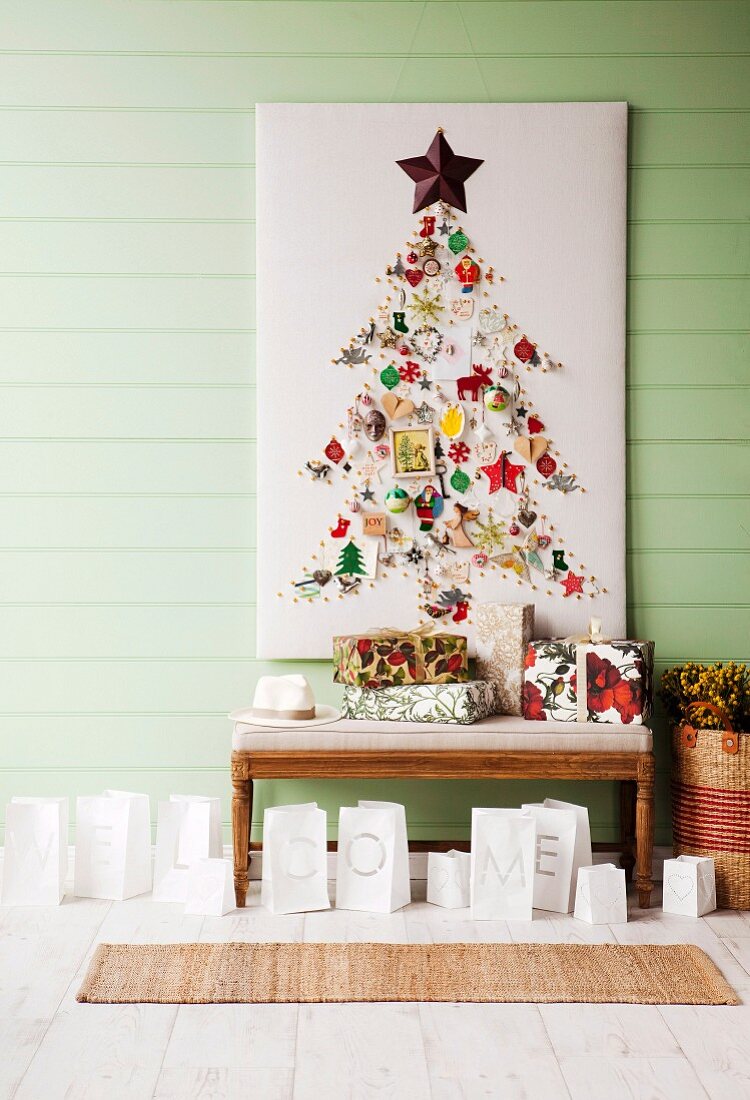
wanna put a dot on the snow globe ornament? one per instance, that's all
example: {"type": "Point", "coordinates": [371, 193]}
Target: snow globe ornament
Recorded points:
{"type": "Point", "coordinates": [397, 500]}
{"type": "Point", "coordinates": [496, 398]}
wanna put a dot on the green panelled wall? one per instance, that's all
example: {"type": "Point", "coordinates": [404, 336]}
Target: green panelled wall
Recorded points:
{"type": "Point", "coordinates": [127, 404]}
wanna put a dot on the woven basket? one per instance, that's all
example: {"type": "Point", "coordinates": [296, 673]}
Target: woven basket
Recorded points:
{"type": "Point", "coordinates": [711, 803]}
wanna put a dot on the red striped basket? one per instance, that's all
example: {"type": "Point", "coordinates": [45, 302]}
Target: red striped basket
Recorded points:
{"type": "Point", "coordinates": [711, 802]}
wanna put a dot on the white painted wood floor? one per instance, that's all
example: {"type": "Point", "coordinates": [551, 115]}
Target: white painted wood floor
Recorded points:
{"type": "Point", "coordinates": [51, 1047]}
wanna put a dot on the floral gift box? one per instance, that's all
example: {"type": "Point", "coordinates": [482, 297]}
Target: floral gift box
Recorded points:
{"type": "Point", "coordinates": [461, 703]}
{"type": "Point", "coordinates": [389, 658]}
{"type": "Point", "coordinates": [618, 678]}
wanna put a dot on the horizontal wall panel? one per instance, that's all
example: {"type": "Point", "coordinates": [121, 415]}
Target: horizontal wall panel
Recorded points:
{"type": "Point", "coordinates": [688, 358]}
{"type": "Point", "coordinates": [200, 192]}
{"type": "Point", "coordinates": [229, 632]}
{"type": "Point", "coordinates": [130, 413]}
{"type": "Point", "coordinates": [674, 413]}
{"type": "Point", "coordinates": [112, 136]}
{"type": "Point", "coordinates": [689, 249]}
{"type": "Point", "coordinates": [227, 523]}
{"type": "Point", "coordinates": [695, 577]}
{"type": "Point", "coordinates": [701, 468]}
{"type": "Point", "coordinates": [138, 248]}
{"type": "Point", "coordinates": [691, 137]}
{"type": "Point", "coordinates": [120, 467]}
{"type": "Point", "coordinates": [713, 193]}
{"type": "Point", "coordinates": [236, 82]}
{"type": "Point", "coordinates": [689, 303]}
{"type": "Point", "coordinates": [223, 358]}
{"type": "Point", "coordinates": [229, 248]}
{"type": "Point", "coordinates": [111, 688]}
{"type": "Point", "coordinates": [37, 633]}
{"type": "Point", "coordinates": [127, 303]}
{"type": "Point", "coordinates": [127, 576]}
{"type": "Point", "coordinates": [49, 191]}
{"type": "Point", "coordinates": [302, 27]}
{"type": "Point", "coordinates": [211, 137]}
{"type": "Point", "coordinates": [689, 523]}
{"type": "Point", "coordinates": [103, 688]}
{"type": "Point", "coordinates": [723, 631]}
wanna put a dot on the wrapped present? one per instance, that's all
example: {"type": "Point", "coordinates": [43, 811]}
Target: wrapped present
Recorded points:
{"type": "Point", "coordinates": [617, 678]}
{"type": "Point", "coordinates": [462, 703]}
{"type": "Point", "coordinates": [387, 658]}
{"type": "Point", "coordinates": [504, 631]}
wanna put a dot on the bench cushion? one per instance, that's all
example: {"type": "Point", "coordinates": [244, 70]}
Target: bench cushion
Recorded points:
{"type": "Point", "coordinates": [501, 732]}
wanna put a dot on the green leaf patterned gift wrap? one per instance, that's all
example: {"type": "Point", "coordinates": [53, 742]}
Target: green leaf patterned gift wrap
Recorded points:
{"type": "Point", "coordinates": [389, 658]}
{"type": "Point", "coordinates": [461, 703]}
{"type": "Point", "coordinates": [618, 681]}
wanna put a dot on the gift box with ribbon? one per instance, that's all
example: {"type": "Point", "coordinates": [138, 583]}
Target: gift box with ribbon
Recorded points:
{"type": "Point", "coordinates": [388, 657]}
{"type": "Point", "coordinates": [589, 679]}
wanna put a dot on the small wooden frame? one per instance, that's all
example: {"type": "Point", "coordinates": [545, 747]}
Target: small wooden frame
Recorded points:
{"type": "Point", "coordinates": [420, 443]}
{"type": "Point", "coordinates": [634, 770]}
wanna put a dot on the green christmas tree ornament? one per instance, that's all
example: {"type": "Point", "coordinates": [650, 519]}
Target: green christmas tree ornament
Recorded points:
{"type": "Point", "coordinates": [390, 377]}
{"type": "Point", "coordinates": [458, 242]}
{"type": "Point", "coordinates": [351, 561]}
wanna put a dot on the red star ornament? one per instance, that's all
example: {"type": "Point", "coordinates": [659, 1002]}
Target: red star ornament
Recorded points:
{"type": "Point", "coordinates": [572, 583]}
{"type": "Point", "coordinates": [439, 174]}
{"type": "Point", "coordinates": [502, 474]}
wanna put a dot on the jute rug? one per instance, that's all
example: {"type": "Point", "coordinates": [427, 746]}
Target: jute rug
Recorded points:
{"type": "Point", "coordinates": [259, 973]}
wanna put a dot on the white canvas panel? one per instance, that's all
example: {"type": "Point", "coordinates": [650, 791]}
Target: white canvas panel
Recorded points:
{"type": "Point", "coordinates": [547, 209]}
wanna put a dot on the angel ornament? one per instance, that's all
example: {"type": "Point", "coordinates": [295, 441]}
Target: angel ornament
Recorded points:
{"type": "Point", "coordinates": [456, 533]}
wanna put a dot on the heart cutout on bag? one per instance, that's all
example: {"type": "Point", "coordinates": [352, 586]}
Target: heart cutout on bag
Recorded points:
{"type": "Point", "coordinates": [531, 449]}
{"type": "Point", "coordinates": [397, 407]}
{"type": "Point", "coordinates": [677, 883]}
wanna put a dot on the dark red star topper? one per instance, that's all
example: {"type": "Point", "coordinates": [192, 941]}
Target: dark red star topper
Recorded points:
{"type": "Point", "coordinates": [439, 174]}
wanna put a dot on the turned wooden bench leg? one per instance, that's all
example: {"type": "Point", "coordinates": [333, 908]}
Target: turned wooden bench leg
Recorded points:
{"type": "Point", "coordinates": [627, 827]}
{"type": "Point", "coordinates": [644, 829]}
{"type": "Point", "coordinates": [242, 808]}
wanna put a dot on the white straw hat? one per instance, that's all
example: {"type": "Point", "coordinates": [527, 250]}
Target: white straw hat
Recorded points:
{"type": "Point", "coordinates": [285, 701]}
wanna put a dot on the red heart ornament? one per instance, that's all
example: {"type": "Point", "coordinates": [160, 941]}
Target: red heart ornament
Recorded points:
{"type": "Point", "coordinates": [546, 465]}
{"type": "Point", "coordinates": [534, 425]}
{"type": "Point", "coordinates": [414, 276]}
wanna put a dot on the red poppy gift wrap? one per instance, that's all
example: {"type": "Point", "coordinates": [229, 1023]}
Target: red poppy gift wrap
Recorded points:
{"type": "Point", "coordinates": [387, 658]}
{"type": "Point", "coordinates": [618, 678]}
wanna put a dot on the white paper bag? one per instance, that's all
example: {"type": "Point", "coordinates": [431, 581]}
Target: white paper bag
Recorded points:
{"type": "Point", "coordinates": [689, 886]}
{"type": "Point", "coordinates": [600, 895]}
{"type": "Point", "coordinates": [372, 863]}
{"type": "Point", "coordinates": [210, 888]}
{"type": "Point", "coordinates": [113, 845]}
{"type": "Point", "coordinates": [502, 864]}
{"type": "Point", "coordinates": [553, 856]}
{"type": "Point", "coordinates": [294, 877]}
{"type": "Point", "coordinates": [36, 851]}
{"type": "Point", "coordinates": [582, 855]}
{"type": "Point", "coordinates": [188, 828]}
{"type": "Point", "coordinates": [448, 876]}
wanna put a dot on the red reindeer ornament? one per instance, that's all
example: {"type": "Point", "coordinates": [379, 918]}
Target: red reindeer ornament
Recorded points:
{"type": "Point", "coordinates": [473, 383]}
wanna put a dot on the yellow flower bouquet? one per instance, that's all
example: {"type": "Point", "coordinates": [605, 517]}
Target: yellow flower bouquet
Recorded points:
{"type": "Point", "coordinates": [725, 685]}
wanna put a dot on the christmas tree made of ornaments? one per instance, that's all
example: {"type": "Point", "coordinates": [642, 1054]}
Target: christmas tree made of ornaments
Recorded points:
{"type": "Point", "coordinates": [442, 452]}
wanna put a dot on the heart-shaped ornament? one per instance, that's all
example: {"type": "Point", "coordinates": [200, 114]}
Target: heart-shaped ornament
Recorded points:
{"type": "Point", "coordinates": [531, 449]}
{"type": "Point", "coordinates": [397, 407]}
{"type": "Point", "coordinates": [413, 276]}
{"type": "Point", "coordinates": [322, 577]}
